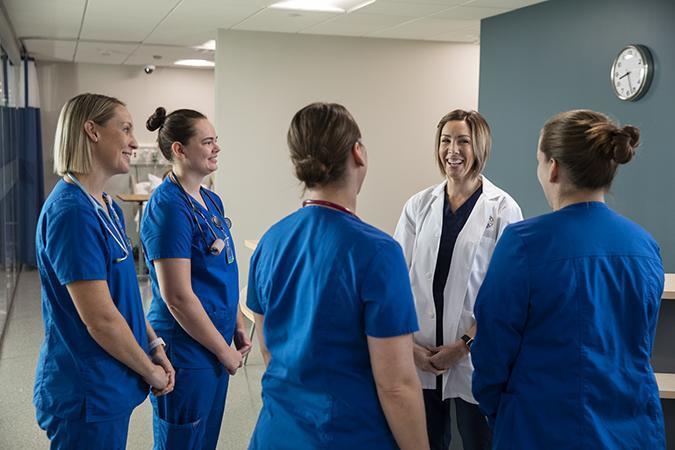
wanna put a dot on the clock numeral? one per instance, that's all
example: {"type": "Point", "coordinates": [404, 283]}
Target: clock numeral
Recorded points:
{"type": "Point", "coordinates": [619, 65]}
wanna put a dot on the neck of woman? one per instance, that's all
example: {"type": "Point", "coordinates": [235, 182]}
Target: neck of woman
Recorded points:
{"type": "Point", "coordinates": [340, 195]}
{"type": "Point", "coordinates": [92, 182]}
{"type": "Point", "coordinates": [190, 181]}
{"type": "Point", "coordinates": [459, 191]}
{"type": "Point", "coordinates": [578, 196]}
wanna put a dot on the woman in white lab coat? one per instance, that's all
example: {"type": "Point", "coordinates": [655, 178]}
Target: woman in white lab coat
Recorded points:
{"type": "Point", "coordinates": [448, 233]}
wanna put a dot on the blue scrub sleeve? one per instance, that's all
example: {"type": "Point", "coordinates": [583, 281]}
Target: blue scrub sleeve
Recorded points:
{"type": "Point", "coordinates": [75, 245]}
{"type": "Point", "coordinates": [252, 295]}
{"type": "Point", "coordinates": [167, 230]}
{"type": "Point", "coordinates": [501, 312]}
{"type": "Point", "coordinates": [389, 308]}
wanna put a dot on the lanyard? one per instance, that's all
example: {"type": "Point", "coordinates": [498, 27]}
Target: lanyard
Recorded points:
{"type": "Point", "coordinates": [116, 231]}
{"type": "Point", "coordinates": [216, 247]}
{"type": "Point", "coordinates": [328, 204]}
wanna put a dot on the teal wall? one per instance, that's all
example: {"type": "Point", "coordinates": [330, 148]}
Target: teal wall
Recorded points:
{"type": "Point", "coordinates": [556, 56]}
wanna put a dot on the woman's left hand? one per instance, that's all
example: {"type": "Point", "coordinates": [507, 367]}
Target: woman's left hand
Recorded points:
{"type": "Point", "coordinates": [241, 341]}
{"type": "Point", "coordinates": [159, 357]}
{"type": "Point", "coordinates": [446, 356]}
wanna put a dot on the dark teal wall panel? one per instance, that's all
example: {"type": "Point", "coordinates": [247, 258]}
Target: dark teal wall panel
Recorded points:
{"type": "Point", "coordinates": [555, 56]}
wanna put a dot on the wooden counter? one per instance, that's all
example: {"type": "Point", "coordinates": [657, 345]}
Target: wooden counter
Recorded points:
{"type": "Point", "coordinates": [666, 382]}
{"type": "Point", "coordinates": [669, 287]}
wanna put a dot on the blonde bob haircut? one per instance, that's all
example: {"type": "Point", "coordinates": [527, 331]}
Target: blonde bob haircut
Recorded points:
{"type": "Point", "coordinates": [72, 147]}
{"type": "Point", "coordinates": [481, 138]}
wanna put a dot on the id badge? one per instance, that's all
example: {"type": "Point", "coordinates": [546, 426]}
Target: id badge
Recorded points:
{"type": "Point", "coordinates": [228, 250]}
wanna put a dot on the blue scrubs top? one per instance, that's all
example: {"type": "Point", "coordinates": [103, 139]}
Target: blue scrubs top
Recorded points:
{"type": "Point", "coordinates": [325, 280]}
{"type": "Point", "coordinates": [169, 230]}
{"type": "Point", "coordinates": [75, 377]}
{"type": "Point", "coordinates": [566, 320]}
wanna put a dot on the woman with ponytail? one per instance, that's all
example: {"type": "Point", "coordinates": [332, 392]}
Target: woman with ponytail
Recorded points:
{"type": "Point", "coordinates": [195, 291]}
{"type": "Point", "coordinates": [567, 313]}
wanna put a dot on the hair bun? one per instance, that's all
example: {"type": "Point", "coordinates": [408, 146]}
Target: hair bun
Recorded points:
{"type": "Point", "coordinates": [156, 120]}
{"type": "Point", "coordinates": [312, 171]}
{"type": "Point", "coordinates": [625, 141]}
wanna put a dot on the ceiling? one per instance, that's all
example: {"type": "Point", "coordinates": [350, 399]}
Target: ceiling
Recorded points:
{"type": "Point", "coordinates": [140, 32]}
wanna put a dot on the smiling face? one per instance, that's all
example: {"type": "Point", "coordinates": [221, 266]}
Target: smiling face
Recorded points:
{"type": "Point", "coordinates": [201, 150]}
{"type": "Point", "coordinates": [455, 150]}
{"type": "Point", "coordinates": [114, 143]}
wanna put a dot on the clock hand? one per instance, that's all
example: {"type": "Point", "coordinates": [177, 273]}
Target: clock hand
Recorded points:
{"type": "Point", "coordinates": [630, 85]}
{"type": "Point", "coordinates": [624, 75]}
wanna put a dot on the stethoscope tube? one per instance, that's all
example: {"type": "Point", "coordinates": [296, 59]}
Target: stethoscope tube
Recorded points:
{"type": "Point", "coordinates": [217, 246]}
{"type": "Point", "coordinates": [118, 236]}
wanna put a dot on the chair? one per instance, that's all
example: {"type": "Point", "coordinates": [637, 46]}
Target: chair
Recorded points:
{"type": "Point", "coordinates": [248, 314]}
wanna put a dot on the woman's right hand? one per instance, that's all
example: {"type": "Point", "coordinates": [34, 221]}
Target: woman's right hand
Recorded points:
{"type": "Point", "coordinates": [232, 360]}
{"type": "Point", "coordinates": [422, 356]}
{"type": "Point", "coordinates": [158, 379]}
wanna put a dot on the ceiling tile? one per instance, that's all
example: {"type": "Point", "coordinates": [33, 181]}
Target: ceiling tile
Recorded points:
{"type": "Point", "coordinates": [124, 20]}
{"type": "Point", "coordinates": [279, 20]}
{"type": "Point", "coordinates": [103, 53]}
{"type": "Point", "coordinates": [189, 25]}
{"type": "Point", "coordinates": [402, 8]}
{"type": "Point", "coordinates": [56, 19]}
{"type": "Point", "coordinates": [356, 24]}
{"type": "Point", "coordinates": [508, 4]}
{"type": "Point", "coordinates": [145, 55]}
{"type": "Point", "coordinates": [424, 29]}
{"type": "Point", "coordinates": [50, 50]}
{"type": "Point", "coordinates": [469, 13]}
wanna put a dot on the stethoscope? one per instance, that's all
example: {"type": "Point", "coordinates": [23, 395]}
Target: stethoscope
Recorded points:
{"type": "Point", "coordinates": [116, 231]}
{"type": "Point", "coordinates": [216, 247]}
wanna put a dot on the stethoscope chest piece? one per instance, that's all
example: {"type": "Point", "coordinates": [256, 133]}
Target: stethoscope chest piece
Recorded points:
{"type": "Point", "coordinates": [217, 247]}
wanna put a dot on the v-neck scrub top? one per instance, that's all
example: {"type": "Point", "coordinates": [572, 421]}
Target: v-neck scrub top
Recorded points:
{"type": "Point", "coordinates": [325, 281]}
{"type": "Point", "coordinates": [75, 377]}
{"type": "Point", "coordinates": [169, 230]}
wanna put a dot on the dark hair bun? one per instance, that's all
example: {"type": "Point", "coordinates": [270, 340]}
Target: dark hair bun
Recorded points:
{"type": "Point", "coordinates": [156, 120]}
{"type": "Point", "coordinates": [626, 140]}
{"type": "Point", "coordinates": [311, 171]}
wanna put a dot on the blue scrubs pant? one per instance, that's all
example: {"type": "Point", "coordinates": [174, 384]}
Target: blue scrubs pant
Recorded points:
{"type": "Point", "coordinates": [190, 417]}
{"type": "Point", "coordinates": [75, 434]}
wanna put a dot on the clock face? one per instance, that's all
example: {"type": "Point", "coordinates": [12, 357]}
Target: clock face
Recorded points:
{"type": "Point", "coordinates": [631, 72]}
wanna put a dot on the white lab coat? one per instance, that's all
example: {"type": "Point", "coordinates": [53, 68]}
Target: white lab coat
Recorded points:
{"type": "Point", "coordinates": [419, 233]}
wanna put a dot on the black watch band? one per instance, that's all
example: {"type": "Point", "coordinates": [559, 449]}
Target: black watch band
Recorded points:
{"type": "Point", "coordinates": [468, 341]}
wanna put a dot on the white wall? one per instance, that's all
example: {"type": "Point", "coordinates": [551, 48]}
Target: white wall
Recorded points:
{"type": "Point", "coordinates": [171, 88]}
{"type": "Point", "coordinates": [397, 91]}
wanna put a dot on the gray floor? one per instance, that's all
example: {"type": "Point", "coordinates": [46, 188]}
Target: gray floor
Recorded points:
{"type": "Point", "coordinates": [18, 355]}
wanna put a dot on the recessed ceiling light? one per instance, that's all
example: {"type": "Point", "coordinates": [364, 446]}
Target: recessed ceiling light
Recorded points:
{"type": "Point", "coordinates": [195, 63]}
{"type": "Point", "coordinates": [335, 6]}
{"type": "Point", "coordinates": [208, 45]}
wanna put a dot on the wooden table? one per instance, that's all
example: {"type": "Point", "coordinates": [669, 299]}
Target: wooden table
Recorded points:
{"type": "Point", "coordinates": [251, 243]}
{"type": "Point", "coordinates": [138, 199]}
{"type": "Point", "coordinates": [669, 288]}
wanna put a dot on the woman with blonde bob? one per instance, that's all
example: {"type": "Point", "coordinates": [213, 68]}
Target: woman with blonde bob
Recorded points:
{"type": "Point", "coordinates": [99, 355]}
{"type": "Point", "coordinates": [448, 233]}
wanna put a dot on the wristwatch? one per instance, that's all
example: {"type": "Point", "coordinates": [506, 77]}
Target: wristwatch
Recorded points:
{"type": "Point", "coordinates": [156, 343]}
{"type": "Point", "coordinates": [468, 341]}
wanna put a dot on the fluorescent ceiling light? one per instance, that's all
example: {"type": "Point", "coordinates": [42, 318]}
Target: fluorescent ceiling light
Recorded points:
{"type": "Point", "coordinates": [208, 45]}
{"type": "Point", "coordinates": [195, 63]}
{"type": "Point", "coordinates": [335, 6]}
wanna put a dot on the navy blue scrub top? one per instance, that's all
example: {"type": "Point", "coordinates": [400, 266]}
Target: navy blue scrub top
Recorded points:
{"type": "Point", "coordinates": [325, 280]}
{"type": "Point", "coordinates": [453, 223]}
{"type": "Point", "coordinates": [75, 377]}
{"type": "Point", "coordinates": [168, 230]}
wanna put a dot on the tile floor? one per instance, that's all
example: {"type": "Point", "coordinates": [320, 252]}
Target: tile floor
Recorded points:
{"type": "Point", "coordinates": [18, 356]}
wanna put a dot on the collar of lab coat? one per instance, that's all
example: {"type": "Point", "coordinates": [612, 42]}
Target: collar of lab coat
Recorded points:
{"type": "Point", "coordinates": [490, 191]}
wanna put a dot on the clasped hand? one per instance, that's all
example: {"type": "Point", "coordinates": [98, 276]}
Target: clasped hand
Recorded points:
{"type": "Point", "coordinates": [438, 360]}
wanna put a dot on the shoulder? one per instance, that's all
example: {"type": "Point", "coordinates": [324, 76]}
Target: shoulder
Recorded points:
{"type": "Point", "coordinates": [68, 201]}
{"type": "Point", "coordinates": [423, 198]}
{"type": "Point", "coordinates": [503, 200]}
